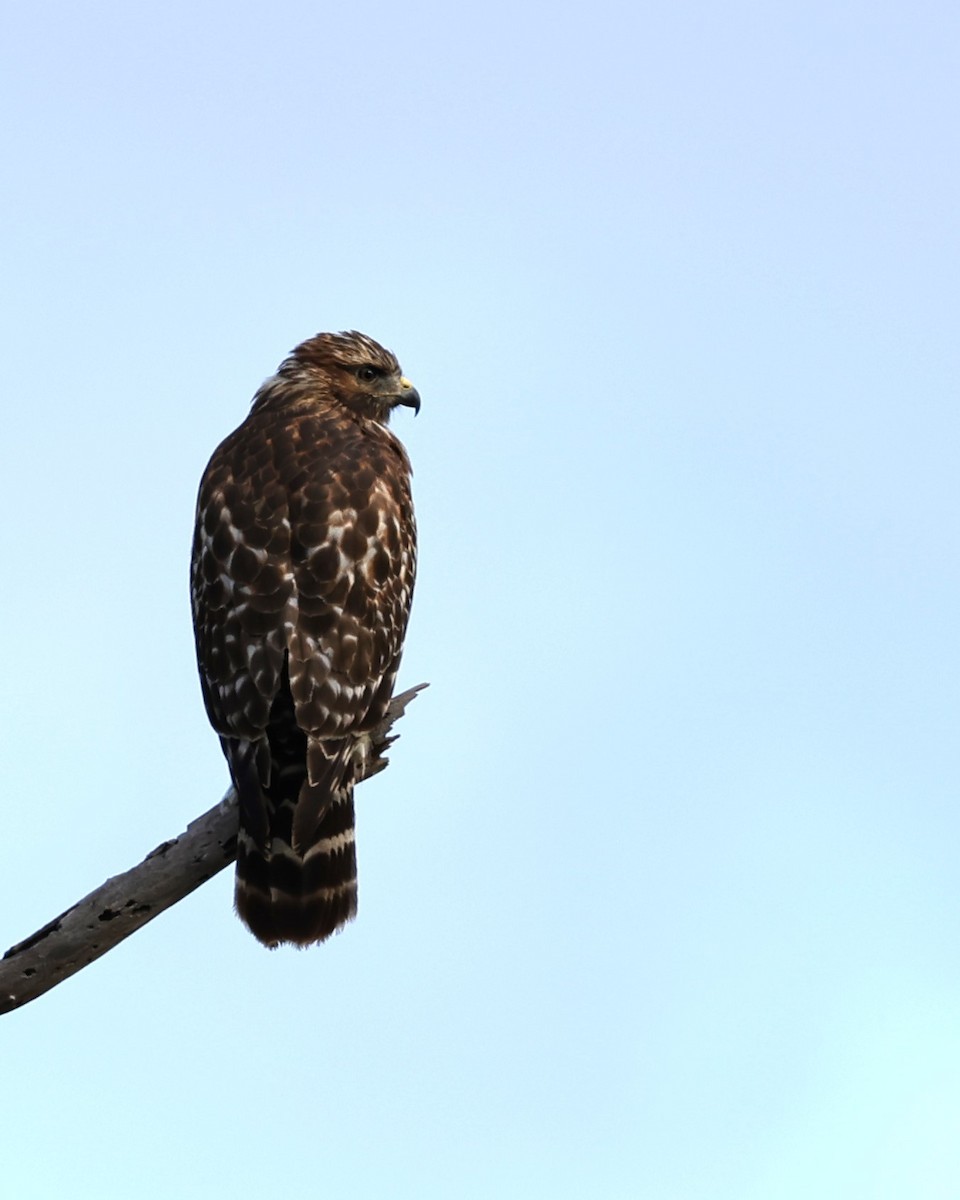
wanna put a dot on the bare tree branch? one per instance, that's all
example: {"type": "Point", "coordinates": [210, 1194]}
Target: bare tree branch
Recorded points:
{"type": "Point", "coordinates": [126, 902]}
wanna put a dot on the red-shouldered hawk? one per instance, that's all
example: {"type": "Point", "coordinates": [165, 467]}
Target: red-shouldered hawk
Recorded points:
{"type": "Point", "coordinates": [303, 567]}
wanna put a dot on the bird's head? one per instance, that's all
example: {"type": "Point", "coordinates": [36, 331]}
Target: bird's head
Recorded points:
{"type": "Point", "coordinates": [358, 372]}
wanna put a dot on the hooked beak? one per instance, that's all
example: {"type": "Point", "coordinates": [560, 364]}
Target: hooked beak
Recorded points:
{"type": "Point", "coordinates": [408, 397]}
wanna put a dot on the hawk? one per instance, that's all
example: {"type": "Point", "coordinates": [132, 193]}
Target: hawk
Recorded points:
{"type": "Point", "coordinates": [304, 557]}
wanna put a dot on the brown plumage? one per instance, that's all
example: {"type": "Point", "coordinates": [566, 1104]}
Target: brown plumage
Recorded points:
{"type": "Point", "coordinates": [303, 567]}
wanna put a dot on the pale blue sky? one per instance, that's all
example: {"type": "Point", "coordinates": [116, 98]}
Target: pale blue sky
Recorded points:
{"type": "Point", "coordinates": [659, 898]}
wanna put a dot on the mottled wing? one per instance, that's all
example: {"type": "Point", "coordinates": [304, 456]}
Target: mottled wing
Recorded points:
{"type": "Point", "coordinates": [354, 560]}
{"type": "Point", "coordinates": [242, 581]}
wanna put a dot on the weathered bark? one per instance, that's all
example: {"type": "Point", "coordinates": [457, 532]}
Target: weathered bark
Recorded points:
{"type": "Point", "coordinates": [119, 907]}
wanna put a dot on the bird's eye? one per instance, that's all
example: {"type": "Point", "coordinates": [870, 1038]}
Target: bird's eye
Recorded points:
{"type": "Point", "coordinates": [367, 374]}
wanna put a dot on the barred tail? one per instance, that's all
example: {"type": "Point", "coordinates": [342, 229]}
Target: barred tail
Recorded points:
{"type": "Point", "coordinates": [300, 895]}
{"type": "Point", "coordinates": [296, 854]}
